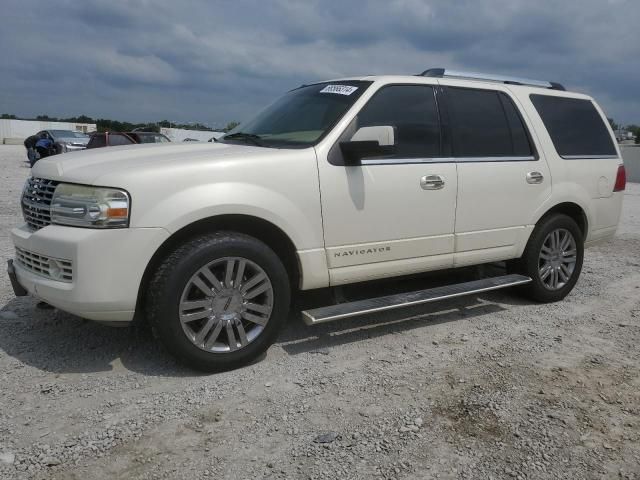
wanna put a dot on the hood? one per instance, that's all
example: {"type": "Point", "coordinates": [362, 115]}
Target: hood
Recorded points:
{"type": "Point", "coordinates": [88, 166]}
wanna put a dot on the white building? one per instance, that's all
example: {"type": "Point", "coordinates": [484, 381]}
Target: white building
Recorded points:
{"type": "Point", "coordinates": [15, 131]}
{"type": "Point", "coordinates": [179, 135]}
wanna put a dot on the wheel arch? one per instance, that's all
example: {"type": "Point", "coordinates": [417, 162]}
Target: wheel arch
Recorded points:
{"type": "Point", "coordinates": [263, 230]}
{"type": "Point", "coordinates": [572, 210]}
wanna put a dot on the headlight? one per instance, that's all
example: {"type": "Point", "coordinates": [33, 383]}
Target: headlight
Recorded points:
{"type": "Point", "coordinates": [95, 207]}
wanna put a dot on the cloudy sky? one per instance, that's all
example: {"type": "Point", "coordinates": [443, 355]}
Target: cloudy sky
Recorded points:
{"type": "Point", "coordinates": [212, 62]}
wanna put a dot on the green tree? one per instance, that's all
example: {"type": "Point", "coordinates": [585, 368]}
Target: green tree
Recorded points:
{"type": "Point", "coordinates": [230, 126]}
{"type": "Point", "coordinates": [635, 130]}
{"type": "Point", "coordinates": [613, 124]}
{"type": "Point", "coordinates": [7, 116]}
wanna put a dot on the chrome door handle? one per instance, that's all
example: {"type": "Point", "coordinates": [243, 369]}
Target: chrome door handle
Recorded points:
{"type": "Point", "coordinates": [535, 177]}
{"type": "Point", "coordinates": [432, 182]}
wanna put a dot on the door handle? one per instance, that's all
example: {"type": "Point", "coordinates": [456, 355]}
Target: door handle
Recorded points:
{"type": "Point", "coordinates": [432, 182]}
{"type": "Point", "coordinates": [535, 177]}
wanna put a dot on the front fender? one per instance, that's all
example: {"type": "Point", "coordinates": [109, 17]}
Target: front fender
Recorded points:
{"type": "Point", "coordinates": [300, 219]}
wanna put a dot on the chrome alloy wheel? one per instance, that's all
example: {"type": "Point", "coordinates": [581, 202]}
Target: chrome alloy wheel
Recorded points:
{"type": "Point", "coordinates": [557, 260]}
{"type": "Point", "coordinates": [226, 304]}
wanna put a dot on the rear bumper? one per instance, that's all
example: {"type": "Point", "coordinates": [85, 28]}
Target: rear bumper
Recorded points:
{"type": "Point", "coordinates": [107, 265]}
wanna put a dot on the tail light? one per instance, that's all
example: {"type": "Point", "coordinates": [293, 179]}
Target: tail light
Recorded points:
{"type": "Point", "coordinates": [621, 179]}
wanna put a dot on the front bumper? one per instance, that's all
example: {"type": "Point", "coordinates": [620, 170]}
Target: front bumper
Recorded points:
{"type": "Point", "coordinates": [18, 289]}
{"type": "Point", "coordinates": [108, 266]}
{"type": "Point", "coordinates": [71, 148]}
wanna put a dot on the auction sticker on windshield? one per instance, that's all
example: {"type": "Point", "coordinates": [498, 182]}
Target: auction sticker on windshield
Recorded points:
{"type": "Point", "coordinates": [339, 89]}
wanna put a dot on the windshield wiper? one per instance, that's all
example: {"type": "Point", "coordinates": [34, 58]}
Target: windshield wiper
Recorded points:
{"type": "Point", "coordinates": [253, 138]}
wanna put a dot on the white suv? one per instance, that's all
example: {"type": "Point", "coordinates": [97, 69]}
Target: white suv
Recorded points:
{"type": "Point", "coordinates": [336, 182]}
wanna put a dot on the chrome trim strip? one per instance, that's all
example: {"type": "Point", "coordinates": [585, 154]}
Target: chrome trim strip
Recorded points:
{"type": "Point", "coordinates": [495, 159]}
{"type": "Point", "coordinates": [392, 161]}
{"type": "Point", "coordinates": [587, 157]}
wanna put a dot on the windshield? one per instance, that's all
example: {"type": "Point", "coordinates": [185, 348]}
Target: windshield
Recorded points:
{"type": "Point", "coordinates": [301, 117]}
{"type": "Point", "coordinates": [150, 137]}
{"type": "Point", "coordinates": [67, 134]}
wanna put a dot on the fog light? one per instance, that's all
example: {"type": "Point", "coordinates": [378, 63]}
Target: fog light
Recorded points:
{"type": "Point", "coordinates": [55, 269]}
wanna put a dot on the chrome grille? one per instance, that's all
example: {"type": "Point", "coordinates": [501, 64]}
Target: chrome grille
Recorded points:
{"type": "Point", "coordinates": [53, 268]}
{"type": "Point", "coordinates": [36, 202]}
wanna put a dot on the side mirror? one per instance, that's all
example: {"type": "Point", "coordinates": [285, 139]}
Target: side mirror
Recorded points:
{"type": "Point", "coordinates": [368, 142]}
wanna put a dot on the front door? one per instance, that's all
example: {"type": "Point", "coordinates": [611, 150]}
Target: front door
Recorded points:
{"type": "Point", "coordinates": [391, 215]}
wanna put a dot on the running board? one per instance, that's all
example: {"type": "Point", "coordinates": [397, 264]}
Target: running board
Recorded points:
{"type": "Point", "coordinates": [402, 300]}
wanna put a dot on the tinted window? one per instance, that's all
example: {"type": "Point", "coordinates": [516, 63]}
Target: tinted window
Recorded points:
{"type": "Point", "coordinates": [412, 111]}
{"type": "Point", "coordinates": [97, 141]}
{"type": "Point", "coordinates": [574, 125]}
{"type": "Point", "coordinates": [119, 139]}
{"type": "Point", "coordinates": [519, 135]}
{"type": "Point", "coordinates": [486, 124]}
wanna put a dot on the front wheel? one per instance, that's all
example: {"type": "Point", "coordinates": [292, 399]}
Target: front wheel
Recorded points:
{"type": "Point", "coordinates": [552, 258]}
{"type": "Point", "coordinates": [218, 301]}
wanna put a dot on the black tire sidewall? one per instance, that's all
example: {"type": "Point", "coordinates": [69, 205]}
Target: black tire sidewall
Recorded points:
{"type": "Point", "coordinates": [536, 289]}
{"type": "Point", "coordinates": [183, 264]}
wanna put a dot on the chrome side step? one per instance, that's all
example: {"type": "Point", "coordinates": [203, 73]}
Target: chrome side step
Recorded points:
{"type": "Point", "coordinates": [401, 300]}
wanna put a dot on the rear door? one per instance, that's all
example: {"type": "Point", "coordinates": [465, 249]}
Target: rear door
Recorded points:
{"type": "Point", "coordinates": [502, 178]}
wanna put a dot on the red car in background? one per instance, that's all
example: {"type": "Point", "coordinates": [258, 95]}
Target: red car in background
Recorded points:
{"type": "Point", "coordinates": [110, 139]}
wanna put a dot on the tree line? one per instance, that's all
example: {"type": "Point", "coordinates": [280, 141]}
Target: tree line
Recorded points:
{"type": "Point", "coordinates": [633, 128]}
{"type": "Point", "coordinates": [107, 125]}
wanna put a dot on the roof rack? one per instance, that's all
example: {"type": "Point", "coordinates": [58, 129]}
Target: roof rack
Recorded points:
{"type": "Point", "coordinates": [447, 73]}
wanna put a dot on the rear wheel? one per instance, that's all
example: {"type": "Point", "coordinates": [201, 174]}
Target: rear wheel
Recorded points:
{"type": "Point", "coordinates": [218, 301]}
{"type": "Point", "coordinates": [553, 258]}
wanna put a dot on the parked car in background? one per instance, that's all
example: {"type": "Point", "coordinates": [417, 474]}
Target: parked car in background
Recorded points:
{"type": "Point", "coordinates": [112, 139]}
{"type": "Point", "coordinates": [109, 139]}
{"type": "Point", "coordinates": [52, 142]}
{"type": "Point", "coordinates": [65, 140]}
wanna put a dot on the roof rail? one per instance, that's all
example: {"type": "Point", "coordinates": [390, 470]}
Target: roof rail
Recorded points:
{"type": "Point", "coordinates": [447, 73]}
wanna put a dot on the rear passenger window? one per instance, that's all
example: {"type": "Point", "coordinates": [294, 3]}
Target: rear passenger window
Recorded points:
{"type": "Point", "coordinates": [486, 123]}
{"type": "Point", "coordinates": [575, 126]}
{"type": "Point", "coordinates": [412, 111]}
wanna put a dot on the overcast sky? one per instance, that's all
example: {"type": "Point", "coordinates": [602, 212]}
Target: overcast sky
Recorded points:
{"type": "Point", "coordinates": [213, 62]}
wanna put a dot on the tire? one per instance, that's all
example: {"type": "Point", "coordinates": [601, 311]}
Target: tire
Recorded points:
{"type": "Point", "coordinates": [186, 318]}
{"type": "Point", "coordinates": [541, 265]}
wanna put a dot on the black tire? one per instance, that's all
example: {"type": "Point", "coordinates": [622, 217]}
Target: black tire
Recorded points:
{"type": "Point", "coordinates": [165, 290]}
{"type": "Point", "coordinates": [529, 263]}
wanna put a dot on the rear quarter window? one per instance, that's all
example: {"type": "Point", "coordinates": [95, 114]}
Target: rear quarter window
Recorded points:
{"type": "Point", "coordinates": [576, 128]}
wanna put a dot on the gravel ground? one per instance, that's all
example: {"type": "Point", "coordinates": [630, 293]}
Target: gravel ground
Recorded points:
{"type": "Point", "coordinates": [490, 386]}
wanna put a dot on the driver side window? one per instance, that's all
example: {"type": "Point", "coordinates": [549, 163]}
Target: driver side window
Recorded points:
{"type": "Point", "coordinates": [412, 112]}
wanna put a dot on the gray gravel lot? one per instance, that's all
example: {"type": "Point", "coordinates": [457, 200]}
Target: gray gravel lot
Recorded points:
{"type": "Point", "coordinates": [490, 386]}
